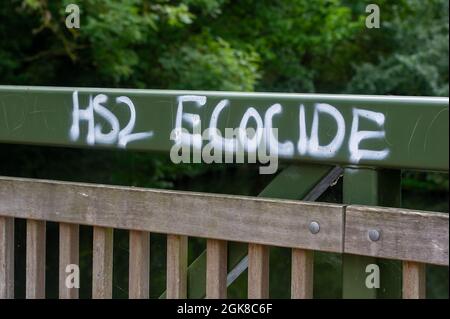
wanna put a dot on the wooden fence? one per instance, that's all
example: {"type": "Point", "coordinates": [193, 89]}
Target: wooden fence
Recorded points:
{"type": "Point", "coordinates": [415, 237]}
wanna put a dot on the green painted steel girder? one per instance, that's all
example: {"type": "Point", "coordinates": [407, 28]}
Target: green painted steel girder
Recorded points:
{"type": "Point", "coordinates": [375, 187]}
{"type": "Point", "coordinates": [377, 131]}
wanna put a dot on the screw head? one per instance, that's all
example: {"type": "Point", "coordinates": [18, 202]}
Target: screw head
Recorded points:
{"type": "Point", "coordinates": [314, 227]}
{"type": "Point", "coordinates": [374, 235]}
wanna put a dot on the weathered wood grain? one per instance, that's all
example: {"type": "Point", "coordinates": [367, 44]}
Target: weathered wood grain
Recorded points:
{"type": "Point", "coordinates": [139, 272]}
{"type": "Point", "coordinates": [405, 234]}
{"type": "Point", "coordinates": [102, 264]}
{"type": "Point", "coordinates": [68, 255]}
{"type": "Point", "coordinates": [302, 274]}
{"type": "Point", "coordinates": [177, 249]}
{"type": "Point", "coordinates": [414, 280]}
{"type": "Point", "coordinates": [35, 259]}
{"type": "Point", "coordinates": [216, 269]}
{"type": "Point", "coordinates": [258, 271]}
{"type": "Point", "coordinates": [232, 218]}
{"type": "Point", "coordinates": [6, 257]}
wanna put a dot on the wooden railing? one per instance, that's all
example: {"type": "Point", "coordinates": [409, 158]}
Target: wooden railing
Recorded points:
{"type": "Point", "coordinates": [415, 237]}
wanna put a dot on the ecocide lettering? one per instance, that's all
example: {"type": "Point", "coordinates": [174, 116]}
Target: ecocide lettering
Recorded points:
{"type": "Point", "coordinates": [260, 143]}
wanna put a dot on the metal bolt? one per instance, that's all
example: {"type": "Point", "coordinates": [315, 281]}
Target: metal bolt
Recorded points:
{"type": "Point", "coordinates": [314, 227]}
{"type": "Point", "coordinates": [374, 235]}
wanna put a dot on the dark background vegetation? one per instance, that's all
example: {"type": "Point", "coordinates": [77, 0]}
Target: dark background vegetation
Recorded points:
{"type": "Point", "coordinates": [248, 45]}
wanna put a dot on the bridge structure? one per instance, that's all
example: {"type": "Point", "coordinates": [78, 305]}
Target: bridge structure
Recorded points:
{"type": "Point", "coordinates": [365, 140]}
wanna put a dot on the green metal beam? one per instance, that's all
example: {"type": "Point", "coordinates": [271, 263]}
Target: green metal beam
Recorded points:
{"type": "Point", "coordinates": [377, 131]}
{"type": "Point", "coordinates": [294, 182]}
{"type": "Point", "coordinates": [367, 186]}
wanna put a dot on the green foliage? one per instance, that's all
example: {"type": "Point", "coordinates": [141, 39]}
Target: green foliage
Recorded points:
{"type": "Point", "coordinates": [293, 46]}
{"type": "Point", "coordinates": [425, 182]}
{"type": "Point", "coordinates": [210, 65]}
{"type": "Point", "coordinates": [294, 39]}
{"type": "Point", "coordinates": [418, 64]}
{"type": "Point", "coordinates": [111, 29]}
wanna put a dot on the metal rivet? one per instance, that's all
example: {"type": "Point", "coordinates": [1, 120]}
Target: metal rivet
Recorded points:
{"type": "Point", "coordinates": [314, 227]}
{"type": "Point", "coordinates": [374, 235]}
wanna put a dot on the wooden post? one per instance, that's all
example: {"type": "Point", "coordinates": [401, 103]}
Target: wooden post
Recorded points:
{"type": "Point", "coordinates": [68, 255]}
{"type": "Point", "coordinates": [6, 257]}
{"type": "Point", "coordinates": [139, 273]}
{"type": "Point", "coordinates": [258, 271]}
{"type": "Point", "coordinates": [216, 269]}
{"type": "Point", "coordinates": [414, 280]}
{"type": "Point", "coordinates": [35, 265]}
{"type": "Point", "coordinates": [177, 248]}
{"type": "Point", "coordinates": [102, 265]}
{"type": "Point", "coordinates": [302, 274]}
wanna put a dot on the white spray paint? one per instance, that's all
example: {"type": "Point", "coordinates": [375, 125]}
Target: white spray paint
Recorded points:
{"type": "Point", "coordinates": [311, 145]}
{"type": "Point", "coordinates": [307, 145]}
{"type": "Point", "coordinates": [125, 135]}
{"type": "Point", "coordinates": [79, 115]}
{"type": "Point", "coordinates": [356, 136]}
{"type": "Point", "coordinates": [263, 139]}
{"type": "Point", "coordinates": [330, 150]}
{"type": "Point", "coordinates": [274, 146]}
{"type": "Point", "coordinates": [302, 144]}
{"type": "Point", "coordinates": [237, 141]}
{"type": "Point", "coordinates": [193, 119]}
{"type": "Point", "coordinates": [96, 132]}
{"type": "Point", "coordinates": [250, 144]}
{"type": "Point", "coordinates": [229, 145]}
{"type": "Point", "coordinates": [111, 137]}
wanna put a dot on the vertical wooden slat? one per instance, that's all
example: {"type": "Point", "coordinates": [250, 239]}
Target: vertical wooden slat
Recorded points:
{"type": "Point", "coordinates": [258, 271]}
{"type": "Point", "coordinates": [68, 255]}
{"type": "Point", "coordinates": [177, 248]}
{"type": "Point", "coordinates": [6, 258]}
{"type": "Point", "coordinates": [35, 264]}
{"type": "Point", "coordinates": [139, 273]}
{"type": "Point", "coordinates": [302, 274]}
{"type": "Point", "coordinates": [102, 265]}
{"type": "Point", "coordinates": [414, 281]}
{"type": "Point", "coordinates": [216, 269]}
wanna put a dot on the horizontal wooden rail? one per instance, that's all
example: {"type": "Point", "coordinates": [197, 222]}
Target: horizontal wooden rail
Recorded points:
{"type": "Point", "coordinates": [407, 235]}
{"type": "Point", "coordinates": [403, 234]}
{"type": "Point", "coordinates": [231, 218]}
